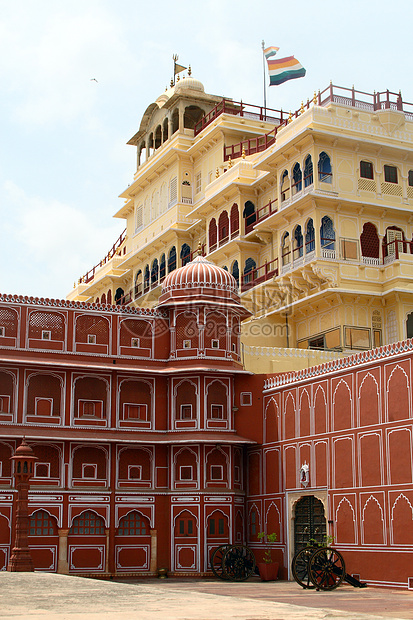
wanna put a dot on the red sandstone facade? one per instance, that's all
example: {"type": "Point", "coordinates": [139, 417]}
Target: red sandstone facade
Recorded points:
{"type": "Point", "coordinates": [154, 446]}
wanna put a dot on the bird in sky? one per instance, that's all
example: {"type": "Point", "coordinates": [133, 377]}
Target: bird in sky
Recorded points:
{"type": "Point", "coordinates": [93, 79]}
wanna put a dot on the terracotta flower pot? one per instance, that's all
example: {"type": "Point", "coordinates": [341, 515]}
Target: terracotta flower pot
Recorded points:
{"type": "Point", "coordinates": [268, 572]}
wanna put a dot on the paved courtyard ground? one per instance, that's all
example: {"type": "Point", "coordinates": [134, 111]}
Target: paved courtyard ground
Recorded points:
{"type": "Point", "coordinates": [35, 596]}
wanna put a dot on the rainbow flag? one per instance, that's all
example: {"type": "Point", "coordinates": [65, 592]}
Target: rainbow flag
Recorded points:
{"type": "Point", "coordinates": [270, 51]}
{"type": "Point", "coordinates": [284, 69]}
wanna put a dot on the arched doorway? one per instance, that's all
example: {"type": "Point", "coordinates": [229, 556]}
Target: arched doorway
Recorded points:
{"type": "Point", "coordinates": [309, 522]}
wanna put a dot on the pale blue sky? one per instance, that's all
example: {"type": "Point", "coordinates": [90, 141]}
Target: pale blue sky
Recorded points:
{"type": "Point", "coordinates": [63, 152]}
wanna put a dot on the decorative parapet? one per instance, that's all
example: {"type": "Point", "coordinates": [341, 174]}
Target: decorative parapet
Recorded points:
{"type": "Point", "coordinates": [352, 361]}
{"type": "Point", "coordinates": [79, 305]}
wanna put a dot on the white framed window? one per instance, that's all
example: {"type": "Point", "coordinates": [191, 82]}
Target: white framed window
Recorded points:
{"type": "Point", "coordinates": [246, 399]}
{"type": "Point", "coordinates": [237, 473]}
{"type": "Point", "coordinates": [217, 412]}
{"type": "Point", "coordinates": [186, 412]}
{"type": "Point", "coordinates": [1, 469]}
{"type": "Point", "coordinates": [46, 335]}
{"type": "Point", "coordinates": [215, 344]}
{"type": "Point", "coordinates": [135, 342]}
{"type": "Point", "coordinates": [134, 411]}
{"type": "Point", "coordinates": [41, 470]}
{"type": "Point", "coordinates": [186, 472]}
{"type": "Point", "coordinates": [43, 406]}
{"type": "Point", "coordinates": [217, 472]}
{"type": "Point", "coordinates": [187, 344]}
{"type": "Point", "coordinates": [198, 182]}
{"type": "Point", "coordinates": [89, 408]}
{"type": "Point", "coordinates": [90, 470]}
{"type": "Point", "coordinates": [135, 472]}
{"type": "Point", "coordinates": [91, 339]}
{"type": "Point", "coordinates": [2, 331]}
{"type": "Point", "coordinates": [4, 403]}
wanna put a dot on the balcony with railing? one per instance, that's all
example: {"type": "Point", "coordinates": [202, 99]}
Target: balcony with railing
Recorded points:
{"type": "Point", "coordinates": [244, 110]}
{"type": "Point", "coordinates": [369, 102]}
{"type": "Point", "coordinates": [261, 214]}
{"type": "Point", "coordinates": [114, 251]}
{"type": "Point", "coordinates": [260, 274]}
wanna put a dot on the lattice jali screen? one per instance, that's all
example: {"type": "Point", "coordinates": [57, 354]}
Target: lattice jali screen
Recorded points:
{"type": "Point", "coordinates": [90, 456]}
{"type": "Point", "coordinates": [135, 392]}
{"type": "Point", "coordinates": [49, 321]}
{"type": "Point", "coordinates": [9, 320]}
{"type": "Point", "coordinates": [410, 192]}
{"type": "Point", "coordinates": [133, 524]}
{"type": "Point", "coordinates": [217, 395]}
{"type": "Point", "coordinates": [88, 524]}
{"type": "Point", "coordinates": [94, 325]}
{"type": "Point", "coordinates": [186, 329]}
{"type": "Point", "coordinates": [43, 386]}
{"type": "Point", "coordinates": [48, 454]}
{"type": "Point", "coordinates": [133, 328]}
{"type": "Point", "coordinates": [391, 189]}
{"type": "Point", "coordinates": [215, 329]}
{"type": "Point", "coordinates": [367, 185]}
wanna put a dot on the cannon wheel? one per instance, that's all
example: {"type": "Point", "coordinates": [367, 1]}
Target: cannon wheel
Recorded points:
{"type": "Point", "coordinates": [299, 567]}
{"type": "Point", "coordinates": [326, 568]}
{"type": "Point", "coordinates": [238, 563]}
{"type": "Point", "coordinates": [216, 561]}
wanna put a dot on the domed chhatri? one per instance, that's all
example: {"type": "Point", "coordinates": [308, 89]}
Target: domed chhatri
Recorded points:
{"type": "Point", "coordinates": [200, 280]}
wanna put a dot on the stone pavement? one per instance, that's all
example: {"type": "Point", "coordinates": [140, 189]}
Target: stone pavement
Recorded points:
{"type": "Point", "coordinates": [35, 596]}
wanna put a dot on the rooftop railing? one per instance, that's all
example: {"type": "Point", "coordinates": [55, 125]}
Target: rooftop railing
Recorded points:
{"type": "Point", "coordinates": [370, 102]}
{"type": "Point", "coordinates": [238, 108]}
{"type": "Point", "coordinates": [88, 277]}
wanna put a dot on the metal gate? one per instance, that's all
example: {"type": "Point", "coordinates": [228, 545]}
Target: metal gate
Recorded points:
{"type": "Point", "coordinates": [309, 522]}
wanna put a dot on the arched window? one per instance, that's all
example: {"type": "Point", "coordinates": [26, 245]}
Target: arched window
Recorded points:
{"type": "Point", "coordinates": [138, 283]}
{"type": "Point", "coordinates": [297, 178]}
{"type": "Point", "coordinates": [410, 178]}
{"type": "Point", "coordinates": [175, 120]}
{"type": "Point", "coordinates": [285, 249]}
{"type": "Point", "coordinates": [308, 171]}
{"type": "Point", "coordinates": [298, 242]}
{"type": "Point", "coordinates": [172, 259]}
{"type": "Point", "coordinates": [146, 279]}
{"type": "Point", "coordinates": [369, 241]}
{"type": "Point", "coordinates": [185, 254]}
{"type": "Point", "coordinates": [88, 523]}
{"type": "Point", "coordinates": [249, 214]}
{"type": "Point", "coordinates": [324, 168]}
{"type": "Point", "coordinates": [192, 115]}
{"type": "Point", "coordinates": [234, 218]}
{"type": "Point", "coordinates": [162, 267]}
{"type": "Point", "coordinates": [250, 265]}
{"type": "Point", "coordinates": [212, 235]}
{"type": "Point", "coordinates": [133, 524]}
{"type": "Point", "coordinates": [310, 237]}
{"type": "Point", "coordinates": [154, 271]}
{"type": "Point", "coordinates": [150, 145]}
{"type": "Point", "coordinates": [223, 228]}
{"type": "Point", "coordinates": [165, 129]}
{"type": "Point", "coordinates": [285, 186]}
{"type": "Point", "coordinates": [42, 524]}
{"type": "Point", "coordinates": [158, 137]}
{"type": "Point", "coordinates": [142, 153]}
{"type": "Point", "coordinates": [327, 233]}
{"type": "Point", "coordinates": [235, 271]}
{"type": "Point", "coordinates": [119, 295]}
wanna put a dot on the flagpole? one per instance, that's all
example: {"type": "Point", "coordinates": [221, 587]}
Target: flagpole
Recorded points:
{"type": "Point", "coordinates": [174, 58]}
{"type": "Point", "coordinates": [263, 68]}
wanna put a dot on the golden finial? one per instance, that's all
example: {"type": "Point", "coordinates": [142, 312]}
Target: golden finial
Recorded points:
{"type": "Point", "coordinates": [177, 77]}
{"type": "Point", "coordinates": [172, 83]}
{"type": "Point", "coordinates": [315, 98]}
{"type": "Point", "coordinates": [243, 152]}
{"type": "Point", "coordinates": [217, 174]}
{"type": "Point", "coordinates": [302, 108]}
{"type": "Point", "coordinates": [229, 162]}
{"type": "Point", "coordinates": [166, 88]}
{"type": "Point", "coordinates": [74, 284]}
{"type": "Point", "coordinates": [79, 281]}
{"type": "Point", "coordinates": [189, 71]}
{"type": "Point", "coordinates": [199, 249]}
{"type": "Point", "coordinates": [290, 117]}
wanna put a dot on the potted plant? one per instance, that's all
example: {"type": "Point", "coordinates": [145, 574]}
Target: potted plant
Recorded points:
{"type": "Point", "coordinates": [268, 567]}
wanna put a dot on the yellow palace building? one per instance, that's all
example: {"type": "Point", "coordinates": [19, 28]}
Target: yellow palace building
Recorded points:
{"type": "Point", "coordinates": [310, 211]}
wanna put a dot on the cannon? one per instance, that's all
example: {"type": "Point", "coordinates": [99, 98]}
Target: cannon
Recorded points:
{"type": "Point", "coordinates": [322, 568]}
{"type": "Point", "coordinates": [233, 562]}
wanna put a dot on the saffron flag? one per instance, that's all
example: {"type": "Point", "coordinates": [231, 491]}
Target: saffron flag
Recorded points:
{"type": "Point", "coordinates": [284, 69]}
{"type": "Point", "coordinates": [270, 51]}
